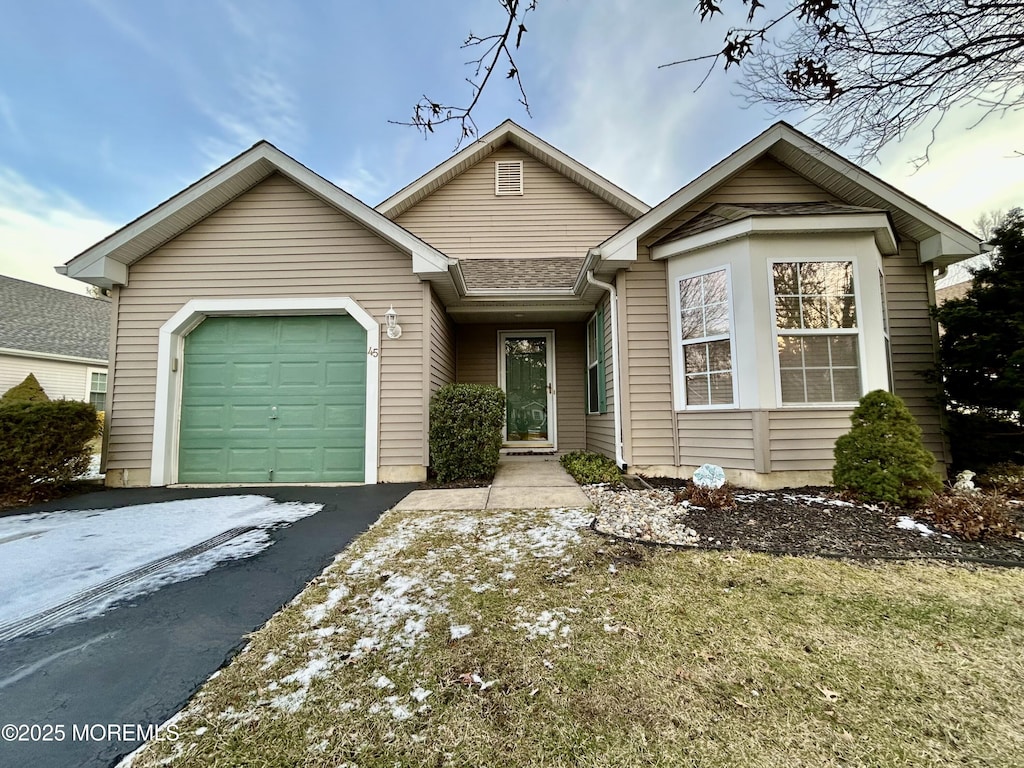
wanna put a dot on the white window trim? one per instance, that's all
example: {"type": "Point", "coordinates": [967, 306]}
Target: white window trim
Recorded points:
{"type": "Point", "coordinates": [497, 188]}
{"type": "Point", "coordinates": [171, 344]}
{"type": "Point", "coordinates": [776, 331]}
{"type": "Point", "coordinates": [88, 384]}
{"type": "Point", "coordinates": [677, 341]}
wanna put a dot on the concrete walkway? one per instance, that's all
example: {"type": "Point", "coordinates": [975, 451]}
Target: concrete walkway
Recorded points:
{"type": "Point", "coordinates": [521, 482]}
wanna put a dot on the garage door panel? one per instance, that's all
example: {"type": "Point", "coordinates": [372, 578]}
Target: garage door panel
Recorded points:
{"type": "Point", "coordinates": [308, 372]}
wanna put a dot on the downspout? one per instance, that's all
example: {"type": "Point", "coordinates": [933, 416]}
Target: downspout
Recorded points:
{"type": "Point", "coordinates": [614, 303]}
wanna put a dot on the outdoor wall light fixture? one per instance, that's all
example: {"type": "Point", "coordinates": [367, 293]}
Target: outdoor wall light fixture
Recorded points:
{"type": "Point", "coordinates": [391, 320]}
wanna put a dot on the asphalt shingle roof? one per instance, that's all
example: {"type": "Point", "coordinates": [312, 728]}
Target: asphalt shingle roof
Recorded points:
{"type": "Point", "coordinates": [557, 272]}
{"type": "Point", "coordinates": [35, 318]}
{"type": "Point", "coordinates": [726, 213]}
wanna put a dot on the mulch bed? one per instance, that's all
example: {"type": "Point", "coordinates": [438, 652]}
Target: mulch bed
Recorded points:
{"type": "Point", "coordinates": [793, 521]}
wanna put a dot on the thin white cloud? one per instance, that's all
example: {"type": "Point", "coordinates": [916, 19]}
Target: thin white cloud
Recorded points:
{"type": "Point", "coordinates": [40, 229]}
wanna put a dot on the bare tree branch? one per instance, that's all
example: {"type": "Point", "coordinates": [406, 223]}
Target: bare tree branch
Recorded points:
{"type": "Point", "coordinates": [429, 113]}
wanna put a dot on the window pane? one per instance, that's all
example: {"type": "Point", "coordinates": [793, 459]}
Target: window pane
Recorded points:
{"type": "Point", "coordinates": [695, 357]}
{"type": "Point", "coordinates": [819, 385]}
{"type": "Point", "coordinates": [593, 405]}
{"type": "Point", "coordinates": [784, 276]}
{"type": "Point", "coordinates": [816, 351]}
{"type": "Point", "coordinates": [847, 384]}
{"type": "Point", "coordinates": [690, 295]}
{"type": "Point", "coordinates": [787, 312]}
{"type": "Point", "coordinates": [592, 341]}
{"type": "Point", "coordinates": [844, 350]}
{"type": "Point", "coordinates": [814, 312]}
{"type": "Point", "coordinates": [721, 388]}
{"type": "Point", "coordinates": [715, 288]}
{"type": "Point", "coordinates": [838, 277]}
{"type": "Point", "coordinates": [793, 386]}
{"type": "Point", "coordinates": [842, 312]}
{"type": "Point", "coordinates": [697, 390]}
{"type": "Point", "coordinates": [692, 323]}
{"type": "Point", "coordinates": [716, 319]}
{"type": "Point", "coordinates": [719, 356]}
{"type": "Point", "coordinates": [98, 382]}
{"type": "Point", "coordinates": [790, 352]}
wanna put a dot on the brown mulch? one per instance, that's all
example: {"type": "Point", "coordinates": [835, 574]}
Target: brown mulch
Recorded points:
{"type": "Point", "coordinates": [816, 521]}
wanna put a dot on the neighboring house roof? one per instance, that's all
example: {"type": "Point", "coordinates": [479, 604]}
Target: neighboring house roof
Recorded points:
{"type": "Point", "coordinates": [941, 241]}
{"type": "Point", "coordinates": [53, 323]}
{"type": "Point", "coordinates": [520, 274]}
{"type": "Point", "coordinates": [510, 133]}
{"type": "Point", "coordinates": [106, 263]}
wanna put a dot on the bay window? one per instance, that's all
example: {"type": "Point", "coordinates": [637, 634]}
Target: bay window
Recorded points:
{"type": "Point", "coordinates": [706, 339]}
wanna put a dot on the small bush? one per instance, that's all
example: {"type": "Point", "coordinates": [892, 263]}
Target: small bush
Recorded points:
{"type": "Point", "coordinates": [29, 391]}
{"type": "Point", "coordinates": [466, 422]}
{"type": "Point", "coordinates": [587, 468]}
{"type": "Point", "coordinates": [709, 498]}
{"type": "Point", "coordinates": [971, 516]}
{"type": "Point", "coordinates": [44, 443]}
{"type": "Point", "coordinates": [882, 458]}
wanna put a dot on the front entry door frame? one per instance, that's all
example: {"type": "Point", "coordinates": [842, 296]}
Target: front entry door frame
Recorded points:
{"type": "Point", "coordinates": [552, 413]}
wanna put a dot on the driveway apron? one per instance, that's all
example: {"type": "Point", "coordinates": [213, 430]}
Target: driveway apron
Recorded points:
{"type": "Point", "coordinates": [140, 663]}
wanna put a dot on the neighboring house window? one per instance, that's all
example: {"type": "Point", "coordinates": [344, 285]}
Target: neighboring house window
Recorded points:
{"type": "Point", "coordinates": [98, 389]}
{"type": "Point", "coordinates": [595, 364]}
{"type": "Point", "coordinates": [508, 177]}
{"type": "Point", "coordinates": [816, 331]}
{"type": "Point", "coordinates": [706, 338]}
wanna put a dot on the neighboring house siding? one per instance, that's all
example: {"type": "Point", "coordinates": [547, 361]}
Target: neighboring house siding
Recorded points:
{"type": "Point", "coordinates": [601, 427]}
{"type": "Point", "coordinates": [648, 375]}
{"type": "Point", "coordinates": [909, 287]}
{"type": "Point", "coordinates": [60, 380]}
{"type": "Point", "coordinates": [477, 356]}
{"type": "Point", "coordinates": [763, 181]}
{"type": "Point", "coordinates": [275, 240]}
{"type": "Point", "coordinates": [554, 216]}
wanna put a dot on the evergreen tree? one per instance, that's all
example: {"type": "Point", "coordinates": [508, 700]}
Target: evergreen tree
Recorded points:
{"type": "Point", "coordinates": [982, 348]}
{"type": "Point", "coordinates": [29, 391]}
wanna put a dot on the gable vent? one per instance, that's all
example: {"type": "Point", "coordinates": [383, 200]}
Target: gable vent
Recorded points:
{"type": "Point", "coordinates": [508, 177]}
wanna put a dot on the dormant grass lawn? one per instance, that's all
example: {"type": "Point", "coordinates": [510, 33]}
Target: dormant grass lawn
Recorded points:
{"type": "Point", "coordinates": [516, 639]}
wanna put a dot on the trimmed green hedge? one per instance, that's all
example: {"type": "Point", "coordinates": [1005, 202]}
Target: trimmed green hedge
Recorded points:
{"type": "Point", "coordinates": [466, 423]}
{"type": "Point", "coordinates": [44, 443]}
{"type": "Point", "coordinates": [882, 457]}
{"type": "Point", "coordinates": [586, 467]}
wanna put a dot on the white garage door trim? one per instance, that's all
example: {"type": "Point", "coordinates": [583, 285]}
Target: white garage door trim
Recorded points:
{"type": "Point", "coordinates": [171, 346]}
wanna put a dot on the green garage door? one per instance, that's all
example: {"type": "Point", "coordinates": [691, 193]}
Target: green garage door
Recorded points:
{"type": "Point", "coordinates": [273, 399]}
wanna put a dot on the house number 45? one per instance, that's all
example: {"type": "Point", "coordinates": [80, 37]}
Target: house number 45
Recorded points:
{"type": "Point", "coordinates": [373, 352]}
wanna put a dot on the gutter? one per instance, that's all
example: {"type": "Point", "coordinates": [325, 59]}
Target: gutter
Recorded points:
{"type": "Point", "coordinates": [614, 303]}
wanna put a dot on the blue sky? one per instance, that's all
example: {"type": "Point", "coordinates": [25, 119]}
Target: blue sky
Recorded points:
{"type": "Point", "coordinates": [108, 107]}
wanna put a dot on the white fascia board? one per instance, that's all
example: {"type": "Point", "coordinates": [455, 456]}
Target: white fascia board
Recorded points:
{"type": "Point", "coordinates": [102, 272]}
{"type": "Point", "coordinates": [876, 223]}
{"type": "Point", "coordinates": [944, 248]}
{"type": "Point", "coordinates": [95, 362]}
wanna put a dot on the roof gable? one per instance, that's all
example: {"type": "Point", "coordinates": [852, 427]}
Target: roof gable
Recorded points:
{"type": "Point", "coordinates": [510, 133]}
{"type": "Point", "coordinates": [106, 263]}
{"type": "Point", "coordinates": [52, 322]}
{"type": "Point", "coordinates": [942, 241]}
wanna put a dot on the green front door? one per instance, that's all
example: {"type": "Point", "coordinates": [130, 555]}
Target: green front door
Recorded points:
{"type": "Point", "coordinates": [273, 399]}
{"type": "Point", "coordinates": [526, 376]}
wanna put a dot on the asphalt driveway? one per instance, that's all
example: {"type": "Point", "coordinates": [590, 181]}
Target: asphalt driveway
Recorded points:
{"type": "Point", "coordinates": [106, 680]}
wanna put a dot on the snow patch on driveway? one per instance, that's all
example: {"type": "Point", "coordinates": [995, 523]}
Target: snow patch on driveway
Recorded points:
{"type": "Point", "coordinates": [48, 558]}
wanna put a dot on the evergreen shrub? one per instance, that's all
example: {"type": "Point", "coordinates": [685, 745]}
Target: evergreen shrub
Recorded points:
{"type": "Point", "coordinates": [29, 391]}
{"type": "Point", "coordinates": [882, 457]}
{"type": "Point", "coordinates": [466, 424]}
{"type": "Point", "coordinates": [44, 443]}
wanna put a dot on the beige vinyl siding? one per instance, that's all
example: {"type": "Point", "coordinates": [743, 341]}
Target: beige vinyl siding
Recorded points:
{"type": "Point", "coordinates": [648, 375]}
{"type": "Point", "coordinates": [601, 427]}
{"type": "Point", "coordinates": [477, 363]}
{"type": "Point", "coordinates": [442, 345]}
{"type": "Point", "coordinates": [725, 438]}
{"type": "Point", "coordinates": [763, 181]}
{"type": "Point", "coordinates": [276, 240]}
{"type": "Point", "coordinates": [909, 288]}
{"type": "Point", "coordinates": [553, 216]}
{"type": "Point", "coordinates": [803, 439]}
{"type": "Point", "coordinates": [61, 380]}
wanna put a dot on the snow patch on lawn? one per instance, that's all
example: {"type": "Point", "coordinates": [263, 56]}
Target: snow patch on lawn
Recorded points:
{"type": "Point", "coordinates": [48, 558]}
